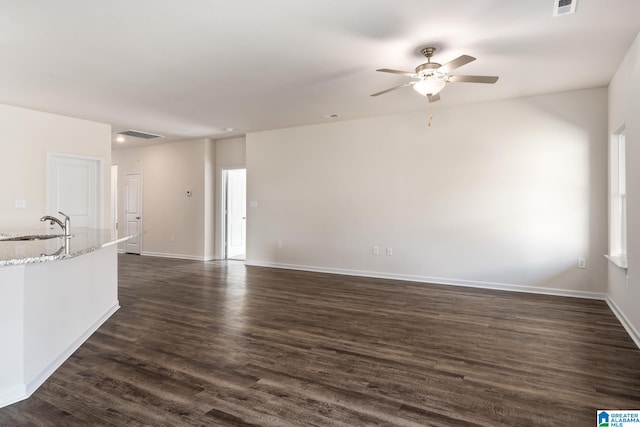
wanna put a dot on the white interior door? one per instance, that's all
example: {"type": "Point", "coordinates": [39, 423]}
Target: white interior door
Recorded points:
{"type": "Point", "coordinates": [236, 212]}
{"type": "Point", "coordinates": [114, 200]}
{"type": "Point", "coordinates": [133, 212]}
{"type": "Point", "coordinates": [74, 186]}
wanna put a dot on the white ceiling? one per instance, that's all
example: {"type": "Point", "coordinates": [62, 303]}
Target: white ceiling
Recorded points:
{"type": "Point", "coordinates": [189, 69]}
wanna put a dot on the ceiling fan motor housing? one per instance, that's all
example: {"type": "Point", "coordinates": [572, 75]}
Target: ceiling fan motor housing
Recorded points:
{"type": "Point", "coordinates": [427, 69]}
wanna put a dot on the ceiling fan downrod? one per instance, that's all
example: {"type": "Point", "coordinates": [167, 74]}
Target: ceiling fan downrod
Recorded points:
{"type": "Point", "coordinates": [428, 52]}
{"type": "Point", "coordinates": [428, 68]}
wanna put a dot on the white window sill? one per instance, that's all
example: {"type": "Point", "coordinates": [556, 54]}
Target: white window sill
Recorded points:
{"type": "Point", "coordinates": [617, 260]}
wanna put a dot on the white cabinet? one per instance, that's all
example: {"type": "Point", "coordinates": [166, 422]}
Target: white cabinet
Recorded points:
{"type": "Point", "coordinates": [47, 310]}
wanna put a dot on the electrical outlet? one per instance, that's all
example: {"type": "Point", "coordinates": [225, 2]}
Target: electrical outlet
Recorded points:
{"type": "Point", "coordinates": [375, 250]}
{"type": "Point", "coordinates": [279, 244]}
{"type": "Point", "coordinates": [389, 251]}
{"type": "Point", "coordinates": [582, 263]}
{"type": "Point", "coordinates": [172, 238]}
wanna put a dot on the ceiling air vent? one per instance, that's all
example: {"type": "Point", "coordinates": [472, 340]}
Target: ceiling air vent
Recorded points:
{"type": "Point", "coordinates": [138, 134]}
{"type": "Point", "coordinates": [564, 7]}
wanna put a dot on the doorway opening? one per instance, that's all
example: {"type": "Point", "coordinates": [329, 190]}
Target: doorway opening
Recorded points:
{"type": "Point", "coordinates": [234, 200]}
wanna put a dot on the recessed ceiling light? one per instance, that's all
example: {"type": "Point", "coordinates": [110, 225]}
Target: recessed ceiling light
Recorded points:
{"type": "Point", "coordinates": [228, 129]}
{"type": "Point", "coordinates": [120, 139]}
{"type": "Point", "coordinates": [331, 116]}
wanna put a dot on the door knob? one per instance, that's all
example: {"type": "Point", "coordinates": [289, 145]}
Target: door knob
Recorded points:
{"type": "Point", "coordinates": [137, 217]}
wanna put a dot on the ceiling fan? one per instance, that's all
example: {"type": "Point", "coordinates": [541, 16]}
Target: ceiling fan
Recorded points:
{"type": "Point", "coordinates": [432, 77]}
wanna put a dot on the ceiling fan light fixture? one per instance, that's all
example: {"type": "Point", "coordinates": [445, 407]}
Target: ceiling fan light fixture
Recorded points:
{"type": "Point", "coordinates": [432, 77]}
{"type": "Point", "coordinates": [429, 86]}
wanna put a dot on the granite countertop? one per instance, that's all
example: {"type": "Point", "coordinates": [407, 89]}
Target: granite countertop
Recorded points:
{"type": "Point", "coordinates": [31, 251]}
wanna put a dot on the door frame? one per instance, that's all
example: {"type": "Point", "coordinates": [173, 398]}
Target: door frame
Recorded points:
{"type": "Point", "coordinates": [114, 201]}
{"type": "Point", "coordinates": [99, 182]}
{"type": "Point", "coordinates": [223, 207]}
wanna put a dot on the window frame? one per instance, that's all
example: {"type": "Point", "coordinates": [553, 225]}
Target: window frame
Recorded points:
{"type": "Point", "coordinates": [618, 199]}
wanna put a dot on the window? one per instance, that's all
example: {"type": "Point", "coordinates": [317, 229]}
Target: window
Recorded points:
{"type": "Point", "coordinates": [618, 202]}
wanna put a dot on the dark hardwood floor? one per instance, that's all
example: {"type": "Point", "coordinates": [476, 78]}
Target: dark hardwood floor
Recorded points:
{"type": "Point", "coordinates": [216, 343]}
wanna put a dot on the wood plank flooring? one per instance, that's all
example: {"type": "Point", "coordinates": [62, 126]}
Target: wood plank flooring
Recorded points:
{"type": "Point", "coordinates": [218, 343]}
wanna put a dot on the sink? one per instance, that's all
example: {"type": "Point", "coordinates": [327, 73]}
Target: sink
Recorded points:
{"type": "Point", "coordinates": [30, 237]}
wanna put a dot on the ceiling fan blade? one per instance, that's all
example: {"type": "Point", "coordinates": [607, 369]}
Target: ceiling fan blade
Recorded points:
{"type": "Point", "coordinates": [458, 62]}
{"type": "Point", "coordinates": [404, 73]}
{"type": "Point", "coordinates": [473, 79]}
{"type": "Point", "coordinates": [393, 88]}
{"type": "Point", "coordinates": [433, 98]}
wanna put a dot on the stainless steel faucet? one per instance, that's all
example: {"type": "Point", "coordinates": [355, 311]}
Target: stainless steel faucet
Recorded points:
{"type": "Point", "coordinates": [66, 226]}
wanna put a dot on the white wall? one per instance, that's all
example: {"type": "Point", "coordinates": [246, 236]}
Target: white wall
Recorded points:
{"type": "Point", "coordinates": [507, 193]}
{"type": "Point", "coordinates": [27, 136]}
{"type": "Point", "coordinates": [624, 108]}
{"type": "Point", "coordinates": [209, 201]}
{"type": "Point", "coordinates": [168, 171]}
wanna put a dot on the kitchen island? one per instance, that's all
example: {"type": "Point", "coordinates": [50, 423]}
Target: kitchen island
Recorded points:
{"type": "Point", "coordinates": [54, 293]}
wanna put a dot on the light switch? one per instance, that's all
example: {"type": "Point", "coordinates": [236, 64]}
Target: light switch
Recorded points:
{"type": "Point", "coordinates": [21, 204]}
{"type": "Point", "coordinates": [253, 203]}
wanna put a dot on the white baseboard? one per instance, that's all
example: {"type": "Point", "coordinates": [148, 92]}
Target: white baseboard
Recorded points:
{"type": "Point", "coordinates": [633, 333]}
{"type": "Point", "coordinates": [445, 281]}
{"type": "Point", "coordinates": [12, 395]}
{"type": "Point", "coordinates": [42, 376]}
{"type": "Point", "coordinates": [436, 280]}
{"type": "Point", "coordinates": [23, 391]}
{"type": "Point", "coordinates": [177, 256]}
